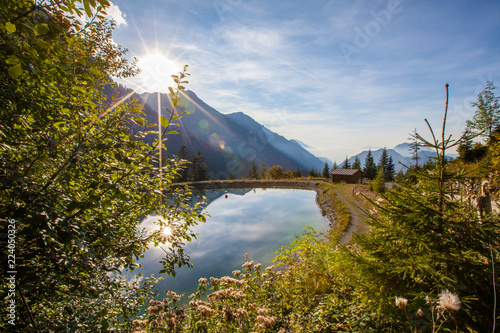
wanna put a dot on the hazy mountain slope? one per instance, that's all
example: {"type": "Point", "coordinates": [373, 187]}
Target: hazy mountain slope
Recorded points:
{"type": "Point", "coordinates": [301, 156]}
{"type": "Point", "coordinates": [230, 143]}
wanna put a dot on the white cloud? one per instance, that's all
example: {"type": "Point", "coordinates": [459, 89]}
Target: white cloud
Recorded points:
{"type": "Point", "coordinates": [114, 13]}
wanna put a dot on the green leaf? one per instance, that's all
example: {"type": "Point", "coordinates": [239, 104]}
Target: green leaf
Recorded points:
{"type": "Point", "coordinates": [12, 61]}
{"type": "Point", "coordinates": [105, 3]}
{"type": "Point", "coordinates": [164, 121]}
{"type": "Point", "coordinates": [173, 132]}
{"type": "Point", "coordinates": [11, 28]}
{"type": "Point", "coordinates": [59, 124]}
{"type": "Point", "coordinates": [88, 11]}
{"type": "Point", "coordinates": [139, 120]}
{"type": "Point", "coordinates": [41, 29]}
{"type": "Point", "coordinates": [15, 71]}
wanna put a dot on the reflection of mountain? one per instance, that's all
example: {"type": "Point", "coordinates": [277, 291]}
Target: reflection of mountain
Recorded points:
{"type": "Point", "coordinates": [212, 195]}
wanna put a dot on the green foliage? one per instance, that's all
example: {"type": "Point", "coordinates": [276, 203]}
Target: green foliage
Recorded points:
{"type": "Point", "coordinates": [199, 169]}
{"type": "Point", "coordinates": [326, 171]}
{"type": "Point", "coordinates": [487, 116]}
{"type": "Point", "coordinates": [378, 184]}
{"type": "Point", "coordinates": [263, 170]}
{"type": "Point", "coordinates": [313, 173]}
{"type": "Point", "coordinates": [75, 179]}
{"type": "Point", "coordinates": [253, 173]}
{"type": "Point", "coordinates": [424, 238]}
{"type": "Point", "coordinates": [414, 148]}
{"type": "Point", "coordinates": [297, 173]}
{"type": "Point", "coordinates": [183, 155]}
{"type": "Point", "coordinates": [356, 164]}
{"type": "Point", "coordinates": [346, 164]}
{"type": "Point", "coordinates": [275, 172]}
{"type": "Point", "coordinates": [370, 169]}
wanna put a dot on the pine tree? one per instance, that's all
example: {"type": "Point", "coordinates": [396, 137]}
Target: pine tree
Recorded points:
{"type": "Point", "coordinates": [313, 173]}
{"type": "Point", "coordinates": [357, 163]}
{"type": "Point", "coordinates": [414, 148]}
{"type": "Point", "coordinates": [298, 173]}
{"type": "Point", "coordinates": [390, 170]}
{"type": "Point", "coordinates": [326, 171]}
{"type": "Point", "coordinates": [334, 166]}
{"type": "Point", "coordinates": [346, 164]}
{"type": "Point", "coordinates": [383, 161]}
{"type": "Point", "coordinates": [487, 116]}
{"type": "Point", "coordinates": [370, 169]}
{"type": "Point", "coordinates": [465, 148]}
{"type": "Point", "coordinates": [183, 152]}
{"type": "Point", "coordinates": [200, 169]}
{"type": "Point", "coordinates": [263, 170]}
{"type": "Point", "coordinates": [183, 155]}
{"type": "Point", "coordinates": [253, 173]}
{"type": "Point", "coordinates": [378, 184]}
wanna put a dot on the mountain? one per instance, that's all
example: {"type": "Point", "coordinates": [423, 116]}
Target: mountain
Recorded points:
{"type": "Point", "coordinates": [302, 144]}
{"type": "Point", "coordinates": [309, 149]}
{"type": "Point", "coordinates": [290, 148]}
{"type": "Point", "coordinates": [229, 142]}
{"type": "Point", "coordinates": [401, 156]}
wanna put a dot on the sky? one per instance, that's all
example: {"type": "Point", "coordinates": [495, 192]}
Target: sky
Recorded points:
{"type": "Point", "coordinates": [341, 76]}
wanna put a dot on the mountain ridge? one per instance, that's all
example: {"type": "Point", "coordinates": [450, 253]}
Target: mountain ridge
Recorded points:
{"type": "Point", "coordinates": [230, 142]}
{"type": "Point", "coordinates": [401, 156]}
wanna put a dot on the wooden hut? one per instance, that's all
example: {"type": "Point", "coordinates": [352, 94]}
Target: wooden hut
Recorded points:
{"type": "Point", "coordinates": [346, 175]}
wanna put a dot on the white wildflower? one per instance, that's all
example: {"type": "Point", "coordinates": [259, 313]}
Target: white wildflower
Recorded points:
{"type": "Point", "coordinates": [449, 301]}
{"type": "Point", "coordinates": [401, 302]}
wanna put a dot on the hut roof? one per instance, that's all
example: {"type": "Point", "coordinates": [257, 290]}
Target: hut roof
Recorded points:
{"type": "Point", "coordinates": [345, 172]}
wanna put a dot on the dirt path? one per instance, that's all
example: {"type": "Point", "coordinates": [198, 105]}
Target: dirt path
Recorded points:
{"type": "Point", "coordinates": [356, 224]}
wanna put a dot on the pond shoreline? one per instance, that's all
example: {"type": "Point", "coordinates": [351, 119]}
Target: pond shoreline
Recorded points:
{"type": "Point", "coordinates": [322, 199]}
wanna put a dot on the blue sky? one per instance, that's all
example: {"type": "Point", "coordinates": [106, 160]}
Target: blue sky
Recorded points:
{"type": "Point", "coordinates": [338, 75]}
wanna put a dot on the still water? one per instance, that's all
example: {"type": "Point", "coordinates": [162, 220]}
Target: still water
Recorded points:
{"type": "Point", "coordinates": [256, 222]}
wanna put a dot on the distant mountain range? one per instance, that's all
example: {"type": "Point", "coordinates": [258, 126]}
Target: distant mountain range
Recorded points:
{"type": "Point", "coordinates": [229, 142]}
{"type": "Point", "coordinates": [401, 156]}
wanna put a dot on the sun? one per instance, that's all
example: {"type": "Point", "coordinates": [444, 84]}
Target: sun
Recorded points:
{"type": "Point", "coordinates": [156, 70]}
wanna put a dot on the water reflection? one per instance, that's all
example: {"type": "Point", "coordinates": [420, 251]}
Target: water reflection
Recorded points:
{"type": "Point", "coordinates": [257, 222]}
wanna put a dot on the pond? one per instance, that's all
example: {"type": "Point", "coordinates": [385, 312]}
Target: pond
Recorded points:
{"type": "Point", "coordinates": [256, 222]}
